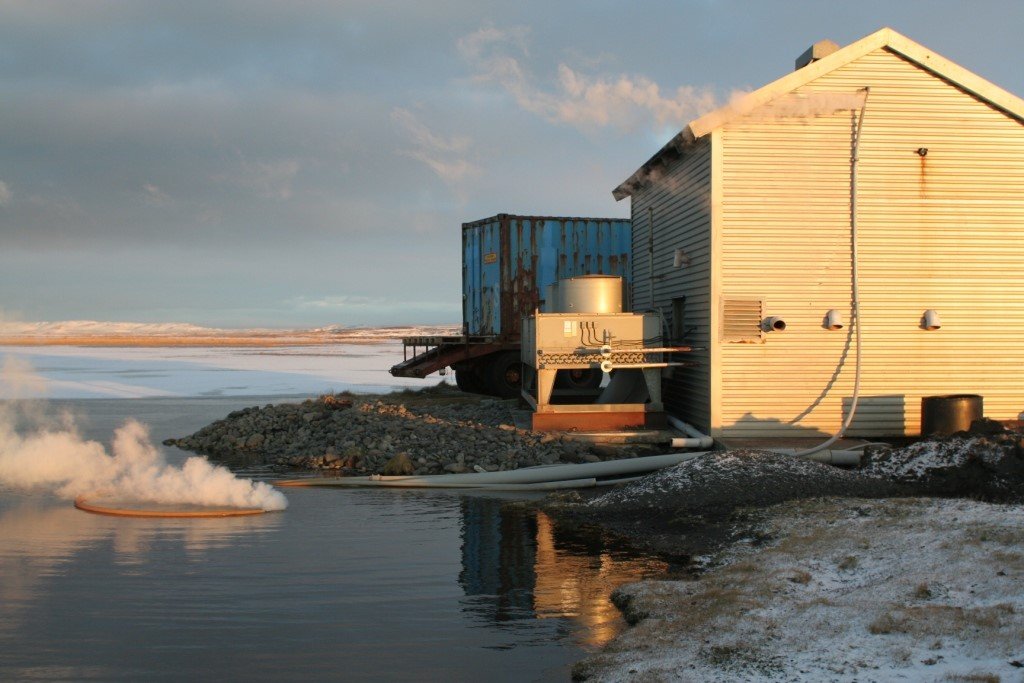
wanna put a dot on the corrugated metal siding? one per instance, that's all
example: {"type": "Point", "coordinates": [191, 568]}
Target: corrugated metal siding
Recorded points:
{"type": "Point", "coordinates": [944, 231]}
{"type": "Point", "coordinates": [680, 200]}
{"type": "Point", "coordinates": [508, 261]}
{"type": "Point", "coordinates": [481, 276]}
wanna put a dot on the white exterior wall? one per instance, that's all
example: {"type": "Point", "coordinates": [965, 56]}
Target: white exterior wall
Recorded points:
{"type": "Point", "coordinates": [680, 200]}
{"type": "Point", "coordinates": [944, 231]}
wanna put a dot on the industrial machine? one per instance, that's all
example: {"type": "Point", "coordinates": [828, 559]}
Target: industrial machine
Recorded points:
{"type": "Point", "coordinates": [508, 264]}
{"type": "Point", "coordinates": [584, 327]}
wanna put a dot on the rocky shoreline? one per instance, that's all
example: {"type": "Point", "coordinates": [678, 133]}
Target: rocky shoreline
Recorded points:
{"type": "Point", "coordinates": [696, 512]}
{"type": "Point", "coordinates": [439, 430]}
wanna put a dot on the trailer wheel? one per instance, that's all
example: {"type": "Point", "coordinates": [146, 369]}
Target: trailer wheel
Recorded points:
{"type": "Point", "coordinates": [579, 378]}
{"type": "Point", "coordinates": [506, 375]}
{"type": "Point", "coordinates": [468, 380]}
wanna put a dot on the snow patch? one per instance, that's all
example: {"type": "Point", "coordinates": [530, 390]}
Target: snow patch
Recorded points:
{"type": "Point", "coordinates": [851, 590]}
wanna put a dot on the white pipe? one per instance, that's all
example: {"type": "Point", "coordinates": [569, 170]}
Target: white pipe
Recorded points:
{"type": "Point", "coordinates": [830, 457]}
{"type": "Point", "coordinates": [855, 286]}
{"type": "Point", "coordinates": [686, 442]}
{"type": "Point", "coordinates": [525, 475]}
{"type": "Point", "coordinates": [367, 482]}
{"type": "Point", "coordinates": [696, 440]}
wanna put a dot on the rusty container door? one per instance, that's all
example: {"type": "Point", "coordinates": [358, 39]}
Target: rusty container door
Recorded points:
{"type": "Point", "coordinates": [509, 261]}
{"type": "Point", "coordinates": [482, 254]}
{"type": "Point", "coordinates": [543, 250]}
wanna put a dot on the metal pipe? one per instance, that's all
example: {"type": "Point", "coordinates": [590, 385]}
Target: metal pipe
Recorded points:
{"type": "Point", "coordinates": [686, 442]}
{"type": "Point", "coordinates": [698, 439]}
{"type": "Point", "coordinates": [525, 475]}
{"type": "Point", "coordinates": [608, 366]}
{"type": "Point", "coordinates": [606, 350]}
{"type": "Point", "coordinates": [829, 457]}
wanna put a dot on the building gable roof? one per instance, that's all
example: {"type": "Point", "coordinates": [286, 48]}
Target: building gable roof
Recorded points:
{"type": "Point", "coordinates": [887, 38]}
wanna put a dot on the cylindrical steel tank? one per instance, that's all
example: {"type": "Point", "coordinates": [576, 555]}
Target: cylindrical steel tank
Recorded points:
{"type": "Point", "coordinates": [589, 294]}
{"type": "Point", "coordinates": [944, 415]}
{"type": "Point", "coordinates": [550, 302]}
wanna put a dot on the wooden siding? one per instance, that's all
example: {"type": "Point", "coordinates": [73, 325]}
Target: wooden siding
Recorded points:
{"type": "Point", "coordinates": [943, 231]}
{"type": "Point", "coordinates": [680, 201]}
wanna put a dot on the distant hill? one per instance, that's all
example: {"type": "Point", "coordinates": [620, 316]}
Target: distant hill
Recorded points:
{"type": "Point", "coordinates": [107, 333]}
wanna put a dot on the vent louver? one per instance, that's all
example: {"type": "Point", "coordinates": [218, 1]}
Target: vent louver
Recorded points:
{"type": "Point", "coordinates": [741, 320]}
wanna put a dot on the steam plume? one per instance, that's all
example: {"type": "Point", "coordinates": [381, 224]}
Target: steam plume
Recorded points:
{"type": "Point", "coordinates": [58, 458]}
{"type": "Point", "coordinates": [587, 102]}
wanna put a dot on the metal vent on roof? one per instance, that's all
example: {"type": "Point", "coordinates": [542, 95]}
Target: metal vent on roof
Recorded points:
{"type": "Point", "coordinates": [741, 320]}
{"type": "Point", "coordinates": [822, 48]}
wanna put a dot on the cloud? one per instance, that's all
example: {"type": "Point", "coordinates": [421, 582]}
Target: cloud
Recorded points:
{"type": "Point", "coordinates": [587, 102]}
{"type": "Point", "coordinates": [156, 196]}
{"type": "Point", "coordinates": [5, 194]}
{"type": "Point", "coordinates": [266, 179]}
{"type": "Point", "coordinates": [446, 157]}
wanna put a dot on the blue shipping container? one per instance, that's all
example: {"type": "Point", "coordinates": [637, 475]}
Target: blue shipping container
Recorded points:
{"type": "Point", "coordinates": [508, 262]}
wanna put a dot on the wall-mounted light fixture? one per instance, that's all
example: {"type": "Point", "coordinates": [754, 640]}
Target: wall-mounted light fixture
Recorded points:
{"type": "Point", "coordinates": [773, 324]}
{"type": "Point", "coordinates": [930, 320]}
{"type": "Point", "coordinates": [833, 320]}
{"type": "Point", "coordinates": [680, 259]}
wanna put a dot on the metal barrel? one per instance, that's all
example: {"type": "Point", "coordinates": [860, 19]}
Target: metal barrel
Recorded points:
{"type": "Point", "coordinates": [944, 415]}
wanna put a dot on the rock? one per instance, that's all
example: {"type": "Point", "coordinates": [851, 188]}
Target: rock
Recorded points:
{"type": "Point", "coordinates": [986, 425]}
{"type": "Point", "coordinates": [367, 434]}
{"type": "Point", "coordinates": [399, 465]}
{"type": "Point", "coordinates": [606, 451]}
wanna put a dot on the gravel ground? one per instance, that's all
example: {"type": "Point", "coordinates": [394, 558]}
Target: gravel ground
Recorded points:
{"type": "Point", "coordinates": [846, 590]}
{"type": "Point", "coordinates": [435, 431]}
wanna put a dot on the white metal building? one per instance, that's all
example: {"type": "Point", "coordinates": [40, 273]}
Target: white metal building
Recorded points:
{"type": "Point", "coordinates": [750, 214]}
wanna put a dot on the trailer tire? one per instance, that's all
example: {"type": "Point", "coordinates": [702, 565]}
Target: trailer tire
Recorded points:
{"type": "Point", "coordinates": [505, 374]}
{"type": "Point", "coordinates": [468, 380]}
{"type": "Point", "coordinates": [579, 378]}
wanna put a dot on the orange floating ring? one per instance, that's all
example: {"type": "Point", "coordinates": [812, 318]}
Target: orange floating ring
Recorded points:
{"type": "Point", "coordinates": [82, 503]}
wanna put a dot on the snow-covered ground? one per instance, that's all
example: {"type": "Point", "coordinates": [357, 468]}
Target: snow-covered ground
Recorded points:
{"type": "Point", "coordinates": [101, 359]}
{"type": "Point", "coordinates": [846, 590]}
{"type": "Point", "coordinates": [77, 329]}
{"type": "Point", "coordinates": [136, 372]}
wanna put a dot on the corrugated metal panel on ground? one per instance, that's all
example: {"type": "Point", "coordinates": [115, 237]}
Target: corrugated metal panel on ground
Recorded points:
{"type": "Point", "coordinates": [678, 201]}
{"type": "Point", "coordinates": [942, 231]}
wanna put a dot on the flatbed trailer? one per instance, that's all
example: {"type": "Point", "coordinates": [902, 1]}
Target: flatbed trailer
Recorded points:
{"type": "Point", "coordinates": [482, 364]}
{"type": "Point", "coordinates": [508, 263]}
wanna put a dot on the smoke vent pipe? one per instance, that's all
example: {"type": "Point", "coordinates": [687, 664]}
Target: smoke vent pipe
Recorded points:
{"type": "Point", "coordinates": [833, 320]}
{"type": "Point", "coordinates": [930, 320]}
{"type": "Point", "coordinates": [822, 48]}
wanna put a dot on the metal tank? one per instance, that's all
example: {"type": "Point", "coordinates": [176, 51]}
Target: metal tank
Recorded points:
{"type": "Point", "coordinates": [589, 294]}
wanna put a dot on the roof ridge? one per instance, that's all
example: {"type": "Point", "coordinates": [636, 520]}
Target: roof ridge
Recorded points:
{"type": "Point", "coordinates": [885, 37]}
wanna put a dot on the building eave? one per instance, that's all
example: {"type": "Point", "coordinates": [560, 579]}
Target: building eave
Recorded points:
{"type": "Point", "coordinates": [885, 38]}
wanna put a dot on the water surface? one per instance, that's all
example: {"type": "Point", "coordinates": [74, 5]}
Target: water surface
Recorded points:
{"type": "Point", "coordinates": [344, 585]}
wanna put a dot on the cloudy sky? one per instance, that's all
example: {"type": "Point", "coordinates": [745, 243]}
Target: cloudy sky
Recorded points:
{"type": "Point", "coordinates": [247, 163]}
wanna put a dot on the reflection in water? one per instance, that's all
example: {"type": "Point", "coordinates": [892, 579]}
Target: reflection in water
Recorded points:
{"type": "Point", "coordinates": [515, 566]}
{"type": "Point", "coordinates": [40, 542]}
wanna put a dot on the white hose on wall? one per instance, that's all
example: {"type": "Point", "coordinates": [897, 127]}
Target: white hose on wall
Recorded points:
{"type": "Point", "coordinates": [855, 304]}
